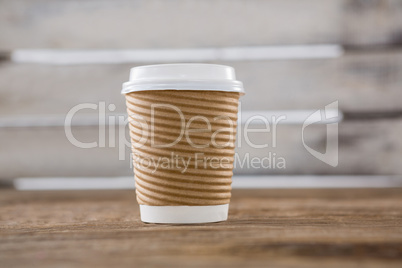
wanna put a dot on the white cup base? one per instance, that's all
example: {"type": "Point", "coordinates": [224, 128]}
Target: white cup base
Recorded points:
{"type": "Point", "coordinates": [184, 214]}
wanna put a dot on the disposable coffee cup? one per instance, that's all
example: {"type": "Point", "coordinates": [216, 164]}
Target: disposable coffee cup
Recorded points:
{"type": "Point", "coordinates": [182, 120]}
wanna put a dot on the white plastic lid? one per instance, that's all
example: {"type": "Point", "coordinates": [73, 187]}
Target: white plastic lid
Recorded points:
{"type": "Point", "coordinates": [183, 76]}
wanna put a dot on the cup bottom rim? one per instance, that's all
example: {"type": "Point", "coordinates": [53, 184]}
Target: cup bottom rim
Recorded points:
{"type": "Point", "coordinates": [184, 214]}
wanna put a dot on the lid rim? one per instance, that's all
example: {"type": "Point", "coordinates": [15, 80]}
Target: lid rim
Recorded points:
{"type": "Point", "coordinates": [183, 77]}
{"type": "Point", "coordinates": [136, 88]}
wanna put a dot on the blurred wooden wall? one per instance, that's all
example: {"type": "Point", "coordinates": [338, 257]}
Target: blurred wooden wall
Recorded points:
{"type": "Point", "coordinates": [366, 80]}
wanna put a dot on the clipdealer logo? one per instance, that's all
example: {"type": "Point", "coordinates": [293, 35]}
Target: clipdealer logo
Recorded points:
{"type": "Point", "coordinates": [331, 116]}
{"type": "Point", "coordinates": [107, 124]}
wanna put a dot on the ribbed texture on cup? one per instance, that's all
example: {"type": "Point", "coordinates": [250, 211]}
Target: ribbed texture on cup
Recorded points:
{"type": "Point", "coordinates": [161, 177]}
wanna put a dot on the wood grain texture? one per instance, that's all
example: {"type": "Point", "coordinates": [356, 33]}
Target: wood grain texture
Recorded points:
{"type": "Point", "coordinates": [372, 23]}
{"type": "Point", "coordinates": [275, 228]}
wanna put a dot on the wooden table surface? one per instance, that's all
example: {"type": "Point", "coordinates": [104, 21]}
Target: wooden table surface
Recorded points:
{"type": "Point", "coordinates": [275, 228]}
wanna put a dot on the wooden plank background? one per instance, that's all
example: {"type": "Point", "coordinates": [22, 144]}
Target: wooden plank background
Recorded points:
{"type": "Point", "coordinates": [366, 81]}
{"type": "Point", "coordinates": [160, 24]}
{"type": "Point", "coordinates": [365, 147]}
{"type": "Point", "coordinates": [359, 81]}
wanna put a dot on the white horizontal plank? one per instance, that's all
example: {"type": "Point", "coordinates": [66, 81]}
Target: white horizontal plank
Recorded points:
{"type": "Point", "coordinates": [68, 57]}
{"type": "Point", "coordinates": [239, 182]}
{"type": "Point", "coordinates": [245, 117]}
{"type": "Point", "coordinates": [316, 181]}
{"type": "Point", "coordinates": [83, 183]}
